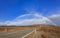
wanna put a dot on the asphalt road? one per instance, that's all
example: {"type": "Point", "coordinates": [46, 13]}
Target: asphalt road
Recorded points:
{"type": "Point", "coordinates": [15, 34]}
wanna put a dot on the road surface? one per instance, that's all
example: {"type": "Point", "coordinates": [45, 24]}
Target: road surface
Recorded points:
{"type": "Point", "coordinates": [15, 34]}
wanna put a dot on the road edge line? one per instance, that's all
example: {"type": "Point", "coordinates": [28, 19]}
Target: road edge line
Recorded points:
{"type": "Point", "coordinates": [28, 34]}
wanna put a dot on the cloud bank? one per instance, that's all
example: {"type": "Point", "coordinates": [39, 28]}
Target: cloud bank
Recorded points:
{"type": "Point", "coordinates": [55, 18]}
{"type": "Point", "coordinates": [28, 19]}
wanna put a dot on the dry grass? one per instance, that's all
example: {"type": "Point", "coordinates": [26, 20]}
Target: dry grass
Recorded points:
{"type": "Point", "coordinates": [13, 28]}
{"type": "Point", "coordinates": [43, 31]}
{"type": "Point", "coordinates": [49, 31]}
{"type": "Point", "coordinates": [46, 31]}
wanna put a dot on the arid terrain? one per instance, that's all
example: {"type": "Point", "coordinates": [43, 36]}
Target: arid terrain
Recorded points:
{"type": "Point", "coordinates": [15, 31]}
{"type": "Point", "coordinates": [45, 31]}
{"type": "Point", "coordinates": [14, 28]}
{"type": "Point", "coordinates": [39, 31]}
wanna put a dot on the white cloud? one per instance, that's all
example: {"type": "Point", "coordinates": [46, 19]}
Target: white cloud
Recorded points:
{"type": "Point", "coordinates": [55, 18]}
{"type": "Point", "coordinates": [28, 19]}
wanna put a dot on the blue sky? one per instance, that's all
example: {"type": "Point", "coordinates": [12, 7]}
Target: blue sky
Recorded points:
{"type": "Point", "coordinates": [10, 9]}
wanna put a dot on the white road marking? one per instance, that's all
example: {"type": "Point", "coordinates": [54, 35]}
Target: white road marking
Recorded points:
{"type": "Point", "coordinates": [29, 33]}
